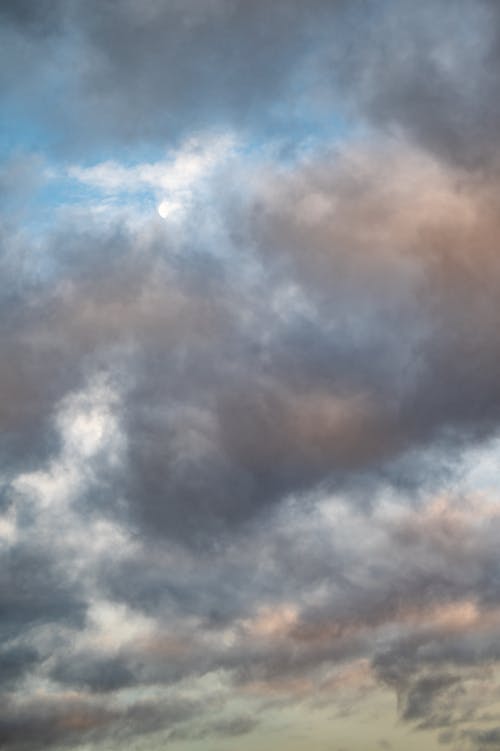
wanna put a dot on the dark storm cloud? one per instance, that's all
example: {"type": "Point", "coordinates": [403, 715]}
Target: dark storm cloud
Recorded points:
{"type": "Point", "coordinates": [157, 70]}
{"type": "Point", "coordinates": [97, 675]}
{"type": "Point", "coordinates": [430, 583]}
{"type": "Point", "coordinates": [34, 590]}
{"type": "Point", "coordinates": [423, 694]}
{"type": "Point", "coordinates": [180, 342]}
{"type": "Point", "coordinates": [481, 740]}
{"type": "Point", "coordinates": [369, 330]}
{"type": "Point", "coordinates": [43, 724]}
{"type": "Point", "coordinates": [153, 71]}
{"type": "Point", "coordinates": [39, 17]}
{"type": "Point", "coordinates": [328, 325]}
{"type": "Point", "coordinates": [15, 662]}
{"type": "Point", "coordinates": [429, 70]}
{"type": "Point", "coordinates": [68, 721]}
{"type": "Point", "coordinates": [374, 231]}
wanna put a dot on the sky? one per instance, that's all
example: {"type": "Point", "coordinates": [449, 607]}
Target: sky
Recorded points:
{"type": "Point", "coordinates": [249, 375]}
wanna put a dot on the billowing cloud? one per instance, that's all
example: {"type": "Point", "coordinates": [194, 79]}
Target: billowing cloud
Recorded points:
{"type": "Point", "coordinates": [249, 381]}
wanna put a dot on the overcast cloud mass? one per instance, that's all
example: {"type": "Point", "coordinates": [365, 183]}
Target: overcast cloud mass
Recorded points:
{"type": "Point", "coordinates": [250, 375]}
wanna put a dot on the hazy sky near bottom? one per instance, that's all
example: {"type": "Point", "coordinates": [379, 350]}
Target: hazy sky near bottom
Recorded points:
{"type": "Point", "coordinates": [249, 375]}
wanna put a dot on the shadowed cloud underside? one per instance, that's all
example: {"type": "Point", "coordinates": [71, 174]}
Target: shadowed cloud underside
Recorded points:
{"type": "Point", "coordinates": [249, 375]}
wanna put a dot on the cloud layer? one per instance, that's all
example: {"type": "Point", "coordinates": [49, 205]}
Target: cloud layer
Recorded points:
{"type": "Point", "coordinates": [249, 380]}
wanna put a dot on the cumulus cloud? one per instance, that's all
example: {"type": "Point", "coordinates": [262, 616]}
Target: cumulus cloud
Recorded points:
{"type": "Point", "coordinates": [249, 382]}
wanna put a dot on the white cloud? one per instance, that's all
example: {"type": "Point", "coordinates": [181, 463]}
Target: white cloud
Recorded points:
{"type": "Point", "coordinates": [171, 181]}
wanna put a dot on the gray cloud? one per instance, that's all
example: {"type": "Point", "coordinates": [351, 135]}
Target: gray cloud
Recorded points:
{"type": "Point", "coordinates": [484, 739]}
{"type": "Point", "coordinates": [231, 728]}
{"type": "Point", "coordinates": [70, 721]}
{"type": "Point", "coordinates": [97, 675]}
{"type": "Point", "coordinates": [226, 410]}
{"type": "Point", "coordinates": [233, 443]}
{"type": "Point", "coordinates": [15, 662]}
{"type": "Point", "coordinates": [429, 71]}
{"type": "Point", "coordinates": [34, 589]}
{"type": "Point", "coordinates": [185, 65]}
